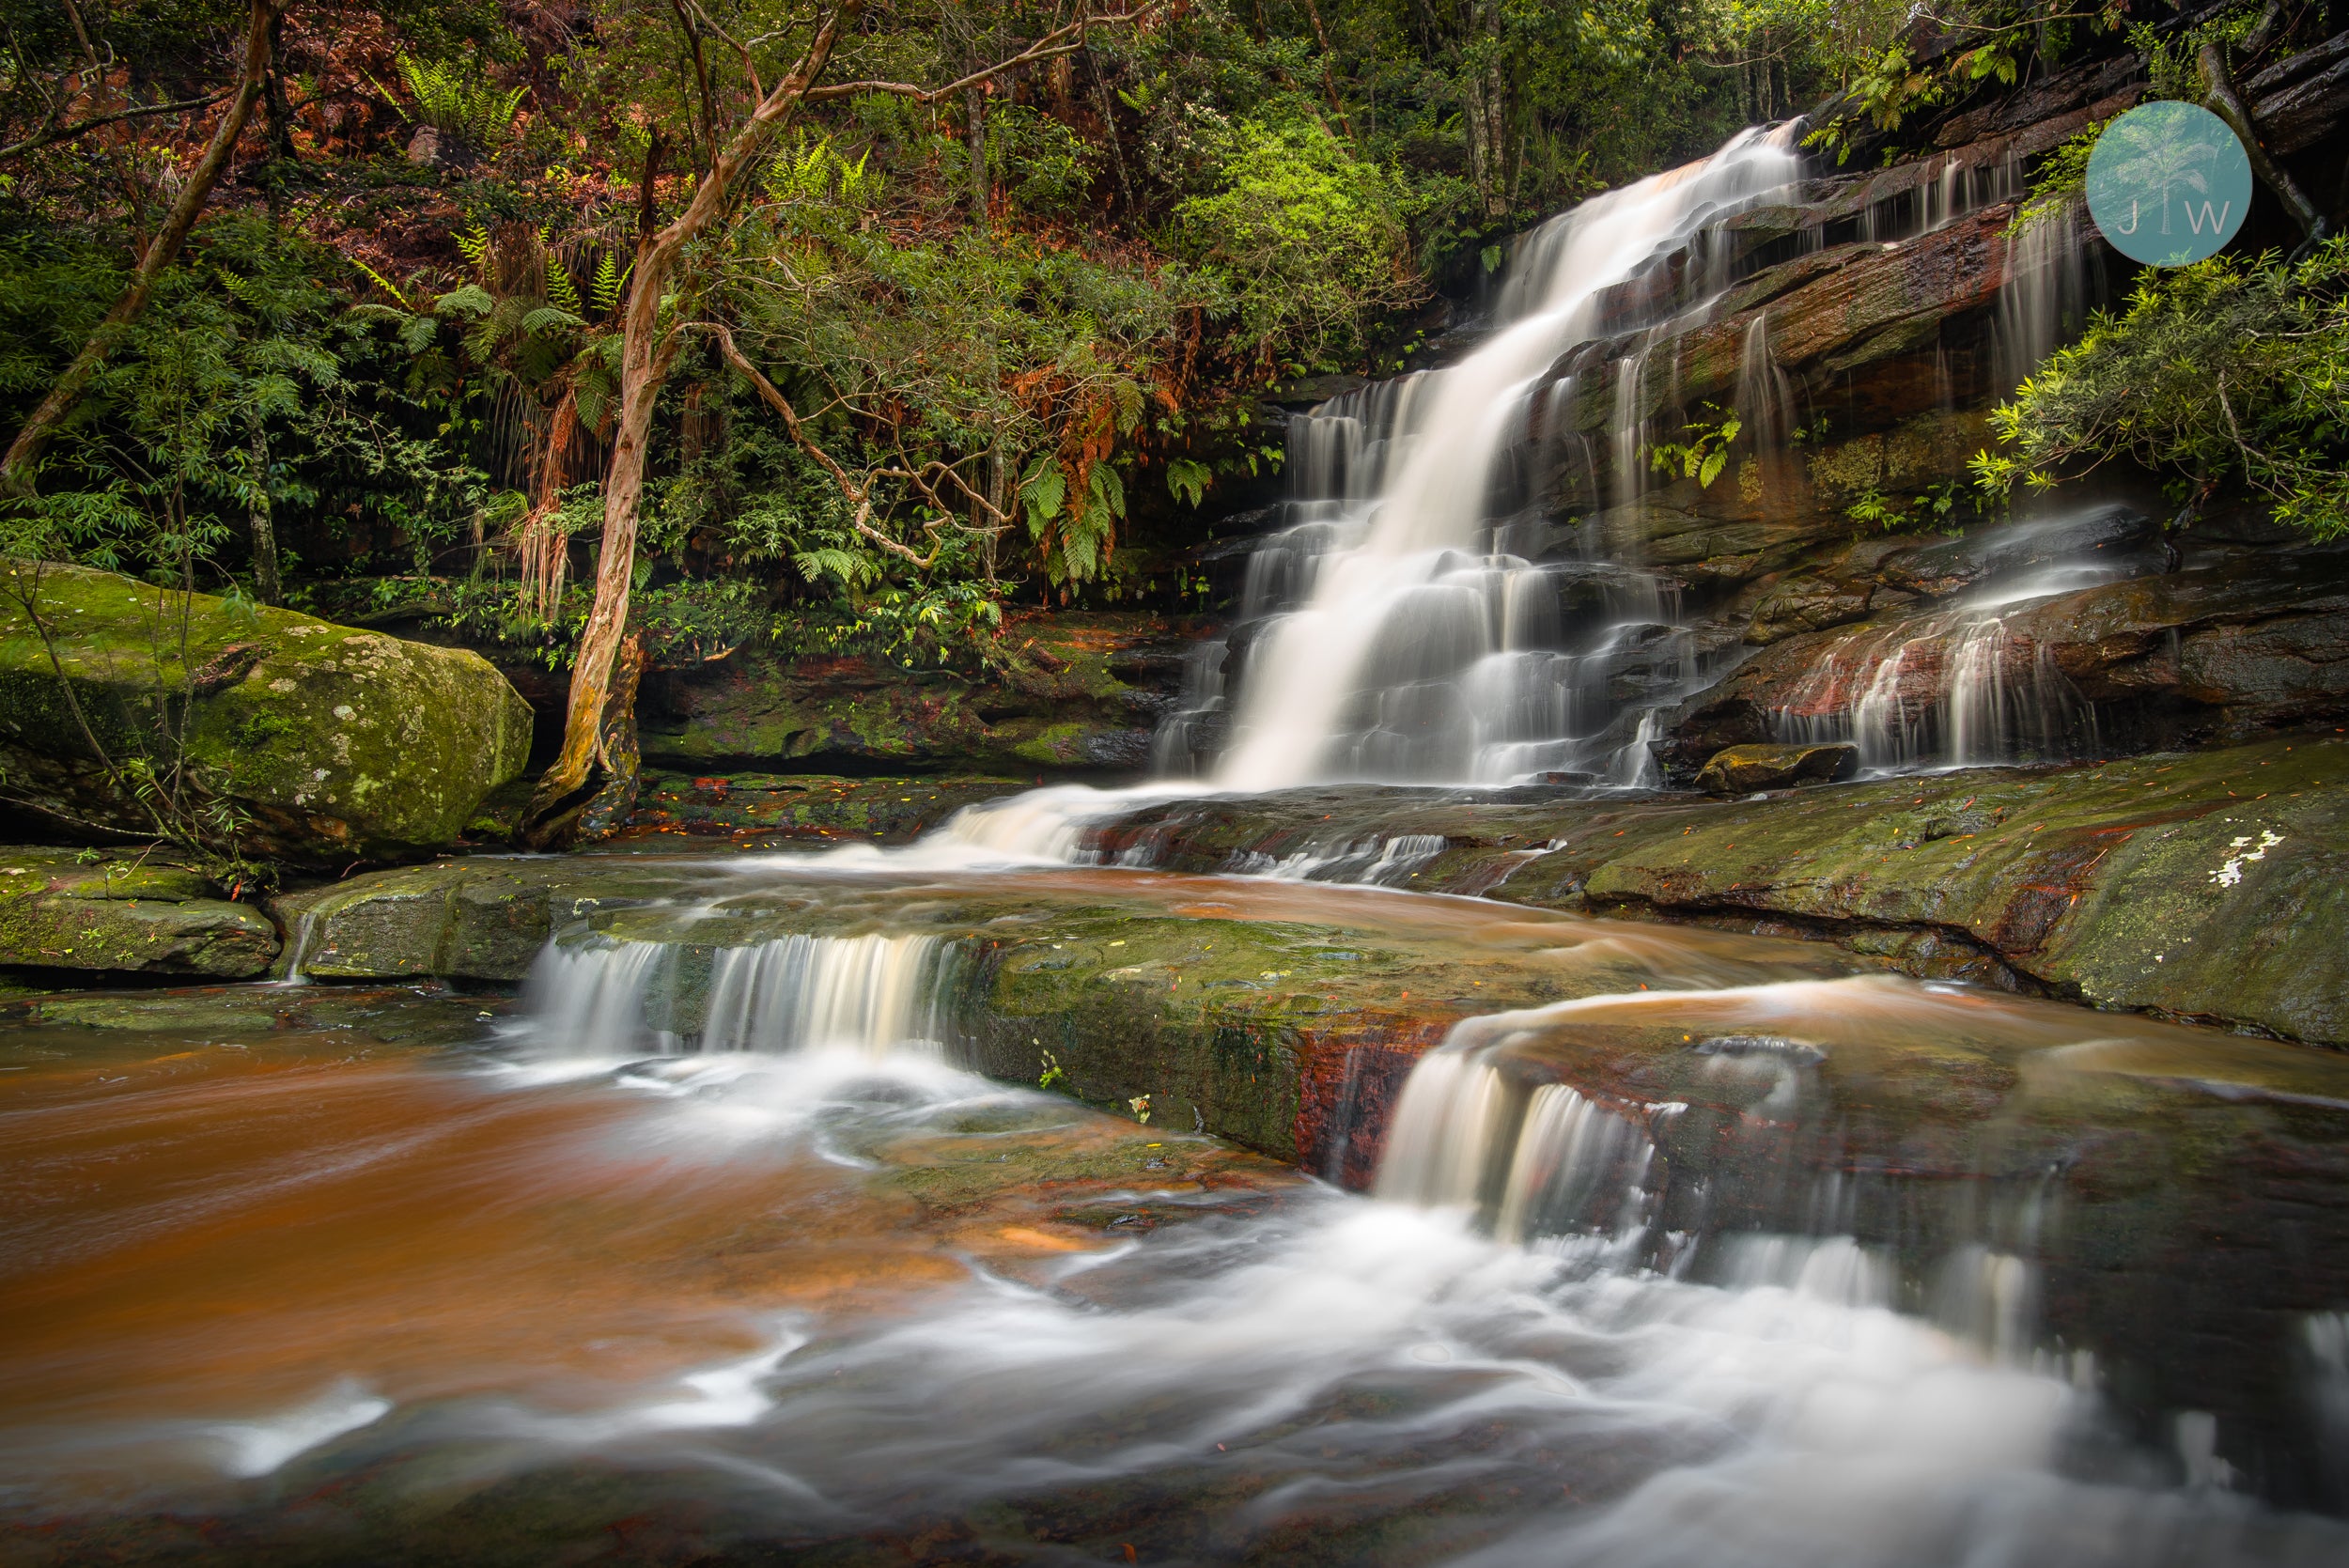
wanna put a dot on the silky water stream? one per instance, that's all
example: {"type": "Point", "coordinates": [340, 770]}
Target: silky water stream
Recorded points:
{"type": "Point", "coordinates": [1700, 1249]}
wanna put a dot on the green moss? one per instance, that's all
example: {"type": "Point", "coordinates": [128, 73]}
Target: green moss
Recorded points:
{"type": "Point", "coordinates": [335, 742]}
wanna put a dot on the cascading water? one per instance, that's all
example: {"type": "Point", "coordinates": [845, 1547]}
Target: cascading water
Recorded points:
{"type": "Point", "coordinates": [1387, 634]}
{"type": "Point", "coordinates": [878, 995]}
{"type": "Point", "coordinates": [2053, 280]}
{"type": "Point", "coordinates": [1959, 686]}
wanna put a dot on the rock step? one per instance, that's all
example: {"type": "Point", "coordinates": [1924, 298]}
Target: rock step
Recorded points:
{"type": "Point", "coordinates": [2211, 886]}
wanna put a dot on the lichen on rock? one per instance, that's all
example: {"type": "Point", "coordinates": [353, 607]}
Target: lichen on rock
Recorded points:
{"type": "Point", "coordinates": [330, 744]}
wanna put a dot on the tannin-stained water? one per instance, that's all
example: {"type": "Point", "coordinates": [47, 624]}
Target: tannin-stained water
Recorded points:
{"type": "Point", "coordinates": [305, 1294]}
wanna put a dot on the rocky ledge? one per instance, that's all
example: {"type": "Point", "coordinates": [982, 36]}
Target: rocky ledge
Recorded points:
{"type": "Point", "coordinates": [2212, 886]}
{"type": "Point", "coordinates": [125, 914]}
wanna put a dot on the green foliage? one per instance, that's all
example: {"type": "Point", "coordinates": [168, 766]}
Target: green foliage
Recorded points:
{"type": "Point", "coordinates": [455, 99]}
{"type": "Point", "coordinates": [2061, 181]}
{"type": "Point", "coordinates": [1306, 243]}
{"type": "Point", "coordinates": [1705, 453]}
{"type": "Point", "coordinates": [2227, 369]}
{"type": "Point", "coordinates": [1188, 481]}
{"type": "Point", "coordinates": [2172, 64]}
{"type": "Point", "coordinates": [1932, 510]}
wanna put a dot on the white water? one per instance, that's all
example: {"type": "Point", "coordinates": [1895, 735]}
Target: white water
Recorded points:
{"type": "Point", "coordinates": [1409, 648]}
{"type": "Point", "coordinates": [596, 1000]}
{"type": "Point", "coordinates": [1957, 687]}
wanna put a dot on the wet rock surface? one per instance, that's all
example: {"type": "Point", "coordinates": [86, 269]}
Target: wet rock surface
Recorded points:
{"type": "Point", "coordinates": [1082, 695]}
{"type": "Point", "coordinates": [125, 912]}
{"type": "Point", "coordinates": [2226, 650]}
{"type": "Point", "coordinates": [336, 744]}
{"type": "Point", "coordinates": [2123, 884]}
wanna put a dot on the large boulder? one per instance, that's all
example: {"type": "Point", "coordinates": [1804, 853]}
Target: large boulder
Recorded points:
{"type": "Point", "coordinates": [129, 913]}
{"type": "Point", "coordinates": [330, 744]}
{"type": "Point", "coordinates": [1739, 769]}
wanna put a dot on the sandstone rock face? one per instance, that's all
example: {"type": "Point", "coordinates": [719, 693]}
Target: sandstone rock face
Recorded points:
{"type": "Point", "coordinates": [766, 810]}
{"type": "Point", "coordinates": [1739, 769]}
{"type": "Point", "coordinates": [335, 744]}
{"type": "Point", "coordinates": [125, 913]}
{"type": "Point", "coordinates": [1083, 698]}
{"type": "Point", "coordinates": [2242, 643]}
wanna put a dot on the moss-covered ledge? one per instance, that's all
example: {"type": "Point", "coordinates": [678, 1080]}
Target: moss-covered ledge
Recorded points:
{"type": "Point", "coordinates": [2211, 886]}
{"type": "Point", "coordinates": [124, 913]}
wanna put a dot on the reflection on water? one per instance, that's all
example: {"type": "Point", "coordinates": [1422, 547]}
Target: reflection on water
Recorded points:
{"type": "Point", "coordinates": [288, 1295]}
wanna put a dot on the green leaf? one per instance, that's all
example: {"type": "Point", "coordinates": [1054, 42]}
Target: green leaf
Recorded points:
{"type": "Point", "coordinates": [1043, 490]}
{"type": "Point", "coordinates": [471, 299]}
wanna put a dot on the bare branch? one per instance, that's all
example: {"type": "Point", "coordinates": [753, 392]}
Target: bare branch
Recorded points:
{"type": "Point", "coordinates": [750, 67]}
{"type": "Point", "coordinates": [1065, 39]}
{"type": "Point", "coordinates": [858, 494]}
{"type": "Point", "coordinates": [67, 133]}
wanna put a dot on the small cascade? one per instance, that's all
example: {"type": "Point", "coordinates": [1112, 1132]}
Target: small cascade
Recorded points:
{"type": "Point", "coordinates": [1951, 689]}
{"type": "Point", "coordinates": [298, 948]}
{"type": "Point", "coordinates": [1747, 1181]}
{"type": "Point", "coordinates": [877, 994]}
{"type": "Point", "coordinates": [1527, 1160]}
{"type": "Point", "coordinates": [1377, 862]}
{"type": "Point", "coordinates": [1964, 684]}
{"type": "Point", "coordinates": [1765, 397]}
{"type": "Point", "coordinates": [1399, 627]}
{"type": "Point", "coordinates": [2052, 281]}
{"type": "Point", "coordinates": [2324, 1352]}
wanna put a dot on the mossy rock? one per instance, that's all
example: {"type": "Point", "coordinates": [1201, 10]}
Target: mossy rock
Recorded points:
{"type": "Point", "coordinates": [338, 744]}
{"type": "Point", "coordinates": [126, 913]}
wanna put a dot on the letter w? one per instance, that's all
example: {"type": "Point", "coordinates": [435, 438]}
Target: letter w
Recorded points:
{"type": "Point", "coordinates": [2217, 224]}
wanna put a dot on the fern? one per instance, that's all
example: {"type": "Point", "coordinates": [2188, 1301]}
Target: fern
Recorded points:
{"type": "Point", "coordinates": [846, 566]}
{"type": "Point", "coordinates": [470, 300]}
{"type": "Point", "coordinates": [456, 101]}
{"type": "Point", "coordinates": [474, 245]}
{"type": "Point", "coordinates": [611, 279]}
{"type": "Point", "coordinates": [562, 290]}
{"type": "Point", "coordinates": [548, 320]}
{"type": "Point", "coordinates": [383, 283]}
{"type": "Point", "coordinates": [1045, 487]}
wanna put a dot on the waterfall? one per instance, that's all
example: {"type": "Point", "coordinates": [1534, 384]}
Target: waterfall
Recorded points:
{"type": "Point", "coordinates": [2052, 281]}
{"type": "Point", "coordinates": [1962, 686]}
{"type": "Point", "coordinates": [1748, 1182]}
{"type": "Point", "coordinates": [874, 994]}
{"type": "Point", "coordinates": [1546, 1161]}
{"type": "Point", "coordinates": [1766, 398]}
{"type": "Point", "coordinates": [1385, 634]}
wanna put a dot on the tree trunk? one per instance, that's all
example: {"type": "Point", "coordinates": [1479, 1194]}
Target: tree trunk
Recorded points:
{"type": "Point", "coordinates": [16, 469]}
{"type": "Point", "coordinates": [645, 362]}
{"type": "Point", "coordinates": [645, 359]}
{"type": "Point", "coordinates": [2229, 106]}
{"type": "Point", "coordinates": [265, 586]}
{"type": "Point", "coordinates": [974, 137]}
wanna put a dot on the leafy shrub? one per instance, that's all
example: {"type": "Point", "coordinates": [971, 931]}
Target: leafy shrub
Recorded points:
{"type": "Point", "coordinates": [2225, 369]}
